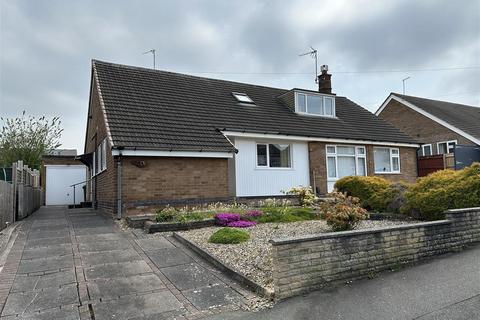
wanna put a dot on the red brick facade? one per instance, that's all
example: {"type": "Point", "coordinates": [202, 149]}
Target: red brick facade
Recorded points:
{"type": "Point", "coordinates": [419, 126]}
{"type": "Point", "coordinates": [318, 165]}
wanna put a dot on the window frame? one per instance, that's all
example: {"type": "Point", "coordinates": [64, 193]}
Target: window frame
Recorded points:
{"type": "Point", "coordinates": [390, 149]}
{"type": "Point", "coordinates": [267, 167]}
{"type": "Point", "coordinates": [324, 97]}
{"type": "Point", "coordinates": [357, 155]}
{"type": "Point", "coordinates": [423, 149]}
{"type": "Point", "coordinates": [100, 158]}
{"type": "Point", "coordinates": [447, 144]}
{"type": "Point", "coordinates": [237, 96]}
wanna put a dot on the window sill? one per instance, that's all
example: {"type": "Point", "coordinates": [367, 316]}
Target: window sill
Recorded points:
{"type": "Point", "coordinates": [388, 173]}
{"type": "Point", "coordinates": [270, 168]}
{"type": "Point", "coordinates": [99, 173]}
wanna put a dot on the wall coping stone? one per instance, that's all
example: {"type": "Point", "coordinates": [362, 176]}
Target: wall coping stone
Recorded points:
{"type": "Point", "coordinates": [341, 234]}
{"type": "Point", "coordinates": [462, 210]}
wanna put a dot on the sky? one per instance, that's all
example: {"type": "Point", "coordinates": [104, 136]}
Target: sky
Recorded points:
{"type": "Point", "coordinates": [46, 48]}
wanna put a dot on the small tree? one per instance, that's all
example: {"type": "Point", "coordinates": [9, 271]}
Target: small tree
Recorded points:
{"type": "Point", "coordinates": [28, 138]}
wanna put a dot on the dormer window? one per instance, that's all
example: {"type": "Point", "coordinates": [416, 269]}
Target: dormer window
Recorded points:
{"type": "Point", "coordinates": [315, 104]}
{"type": "Point", "coordinates": [242, 97]}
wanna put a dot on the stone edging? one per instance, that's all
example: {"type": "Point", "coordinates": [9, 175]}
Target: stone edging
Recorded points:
{"type": "Point", "coordinates": [463, 210]}
{"type": "Point", "coordinates": [152, 227]}
{"type": "Point", "coordinates": [340, 234]}
{"type": "Point", "coordinates": [252, 285]}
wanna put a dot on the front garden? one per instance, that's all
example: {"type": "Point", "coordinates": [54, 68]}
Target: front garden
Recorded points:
{"type": "Point", "coordinates": [241, 235]}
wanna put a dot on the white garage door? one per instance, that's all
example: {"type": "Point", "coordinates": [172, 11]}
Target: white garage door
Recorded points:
{"type": "Point", "coordinates": [58, 182]}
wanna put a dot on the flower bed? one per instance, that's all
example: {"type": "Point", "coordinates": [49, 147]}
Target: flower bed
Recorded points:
{"type": "Point", "coordinates": [253, 258]}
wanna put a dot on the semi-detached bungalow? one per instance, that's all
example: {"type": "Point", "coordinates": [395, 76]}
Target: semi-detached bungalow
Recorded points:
{"type": "Point", "coordinates": [155, 138]}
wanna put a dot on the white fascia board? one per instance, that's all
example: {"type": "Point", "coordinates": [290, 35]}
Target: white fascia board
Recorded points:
{"type": "Point", "coordinates": [329, 140]}
{"type": "Point", "coordinates": [428, 115]}
{"type": "Point", "coordinates": [182, 154]}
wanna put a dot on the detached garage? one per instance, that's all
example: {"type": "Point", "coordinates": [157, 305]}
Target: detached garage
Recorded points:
{"type": "Point", "coordinates": [58, 174]}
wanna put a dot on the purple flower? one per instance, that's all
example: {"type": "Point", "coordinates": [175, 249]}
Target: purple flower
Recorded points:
{"type": "Point", "coordinates": [254, 213]}
{"type": "Point", "coordinates": [241, 224]}
{"type": "Point", "coordinates": [224, 219]}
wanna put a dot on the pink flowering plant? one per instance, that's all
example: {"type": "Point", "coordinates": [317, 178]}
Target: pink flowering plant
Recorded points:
{"type": "Point", "coordinates": [241, 224]}
{"type": "Point", "coordinates": [224, 219]}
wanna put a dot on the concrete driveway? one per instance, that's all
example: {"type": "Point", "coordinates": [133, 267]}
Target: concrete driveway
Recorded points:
{"type": "Point", "coordinates": [446, 288]}
{"type": "Point", "coordinates": [76, 264]}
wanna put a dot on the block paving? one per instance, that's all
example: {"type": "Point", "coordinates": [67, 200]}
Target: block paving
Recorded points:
{"type": "Point", "coordinates": [76, 264]}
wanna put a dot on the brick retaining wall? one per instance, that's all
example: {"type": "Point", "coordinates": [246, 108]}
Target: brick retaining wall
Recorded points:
{"type": "Point", "coordinates": [307, 263]}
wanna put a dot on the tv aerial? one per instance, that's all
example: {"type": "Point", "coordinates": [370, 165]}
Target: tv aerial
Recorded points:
{"type": "Point", "coordinates": [312, 53]}
{"type": "Point", "coordinates": [152, 51]}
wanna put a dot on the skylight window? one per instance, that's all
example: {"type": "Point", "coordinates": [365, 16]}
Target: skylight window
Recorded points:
{"type": "Point", "coordinates": [242, 97]}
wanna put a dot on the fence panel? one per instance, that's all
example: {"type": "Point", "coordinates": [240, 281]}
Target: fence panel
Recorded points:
{"type": "Point", "coordinates": [6, 204]}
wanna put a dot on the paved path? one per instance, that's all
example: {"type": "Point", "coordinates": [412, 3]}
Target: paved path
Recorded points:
{"type": "Point", "coordinates": [446, 288]}
{"type": "Point", "coordinates": [76, 264]}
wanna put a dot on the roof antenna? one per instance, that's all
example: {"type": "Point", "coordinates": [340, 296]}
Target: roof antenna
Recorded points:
{"type": "Point", "coordinates": [313, 54]}
{"type": "Point", "coordinates": [152, 51]}
{"type": "Point", "coordinates": [403, 82]}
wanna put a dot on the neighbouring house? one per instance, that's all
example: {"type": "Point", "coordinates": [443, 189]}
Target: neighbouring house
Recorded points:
{"type": "Point", "coordinates": [440, 125]}
{"type": "Point", "coordinates": [155, 138]}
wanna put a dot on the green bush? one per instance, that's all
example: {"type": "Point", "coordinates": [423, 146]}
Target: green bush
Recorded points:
{"type": "Point", "coordinates": [229, 236]}
{"type": "Point", "coordinates": [375, 193]}
{"type": "Point", "coordinates": [344, 212]}
{"type": "Point", "coordinates": [446, 189]}
{"type": "Point", "coordinates": [167, 214]}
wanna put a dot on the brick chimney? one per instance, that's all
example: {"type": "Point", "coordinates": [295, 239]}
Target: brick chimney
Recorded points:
{"type": "Point", "coordinates": [324, 80]}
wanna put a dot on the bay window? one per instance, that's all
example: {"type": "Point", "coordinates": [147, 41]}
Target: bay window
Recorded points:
{"type": "Point", "coordinates": [387, 160]}
{"type": "Point", "coordinates": [273, 155]}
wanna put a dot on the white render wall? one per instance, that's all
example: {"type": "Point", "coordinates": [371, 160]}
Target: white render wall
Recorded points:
{"type": "Point", "coordinates": [253, 181]}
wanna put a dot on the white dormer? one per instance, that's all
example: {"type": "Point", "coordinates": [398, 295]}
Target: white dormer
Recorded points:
{"type": "Point", "coordinates": [315, 104]}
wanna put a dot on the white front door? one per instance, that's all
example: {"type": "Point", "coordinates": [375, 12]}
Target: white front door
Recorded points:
{"type": "Point", "coordinates": [59, 178]}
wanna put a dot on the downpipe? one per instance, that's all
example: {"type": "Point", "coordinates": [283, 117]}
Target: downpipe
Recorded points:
{"type": "Point", "coordinates": [119, 184]}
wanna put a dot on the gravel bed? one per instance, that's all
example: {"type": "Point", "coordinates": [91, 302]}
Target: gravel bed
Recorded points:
{"type": "Point", "coordinates": [254, 257]}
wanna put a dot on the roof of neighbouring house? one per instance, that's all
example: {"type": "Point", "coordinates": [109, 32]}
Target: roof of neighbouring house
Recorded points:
{"type": "Point", "coordinates": [159, 110]}
{"type": "Point", "coordinates": [461, 116]}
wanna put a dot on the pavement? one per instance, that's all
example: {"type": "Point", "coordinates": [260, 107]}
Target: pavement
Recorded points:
{"type": "Point", "coordinates": [445, 288]}
{"type": "Point", "coordinates": [76, 264]}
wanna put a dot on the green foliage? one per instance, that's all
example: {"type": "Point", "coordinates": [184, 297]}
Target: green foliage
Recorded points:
{"type": "Point", "coordinates": [229, 236]}
{"type": "Point", "coordinates": [375, 193]}
{"type": "Point", "coordinates": [28, 139]}
{"type": "Point", "coordinates": [344, 212]}
{"type": "Point", "coordinates": [305, 195]}
{"type": "Point", "coordinates": [442, 190]}
{"type": "Point", "coordinates": [171, 214]}
{"type": "Point", "coordinates": [285, 214]}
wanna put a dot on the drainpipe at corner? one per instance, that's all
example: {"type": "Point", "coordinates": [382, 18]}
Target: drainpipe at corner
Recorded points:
{"type": "Point", "coordinates": [119, 183]}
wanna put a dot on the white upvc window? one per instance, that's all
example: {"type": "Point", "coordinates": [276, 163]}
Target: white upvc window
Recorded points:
{"type": "Point", "coordinates": [427, 150]}
{"type": "Point", "coordinates": [387, 160]}
{"type": "Point", "coordinates": [100, 158]}
{"type": "Point", "coordinates": [345, 161]}
{"type": "Point", "coordinates": [315, 104]}
{"type": "Point", "coordinates": [446, 146]}
{"type": "Point", "coordinates": [273, 155]}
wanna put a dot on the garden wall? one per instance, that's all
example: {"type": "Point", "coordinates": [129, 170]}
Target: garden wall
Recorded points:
{"type": "Point", "coordinates": [307, 263]}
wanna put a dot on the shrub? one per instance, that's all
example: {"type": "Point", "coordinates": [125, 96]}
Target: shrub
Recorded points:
{"type": "Point", "coordinates": [442, 190]}
{"type": "Point", "coordinates": [224, 219]}
{"type": "Point", "coordinates": [344, 212]}
{"type": "Point", "coordinates": [305, 195]}
{"type": "Point", "coordinates": [166, 214]}
{"type": "Point", "coordinates": [229, 236]}
{"type": "Point", "coordinates": [375, 193]}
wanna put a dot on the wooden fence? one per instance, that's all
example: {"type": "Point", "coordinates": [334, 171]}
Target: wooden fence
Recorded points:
{"type": "Point", "coordinates": [22, 196]}
{"type": "Point", "coordinates": [429, 164]}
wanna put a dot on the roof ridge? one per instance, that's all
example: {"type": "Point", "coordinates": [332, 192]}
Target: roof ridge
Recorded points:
{"type": "Point", "coordinates": [416, 97]}
{"type": "Point", "coordinates": [126, 66]}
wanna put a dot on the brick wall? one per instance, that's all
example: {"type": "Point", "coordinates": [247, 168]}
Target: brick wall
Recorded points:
{"type": "Point", "coordinates": [105, 182]}
{"type": "Point", "coordinates": [307, 263]}
{"type": "Point", "coordinates": [318, 165]}
{"type": "Point", "coordinates": [419, 126]}
{"type": "Point", "coordinates": [169, 180]}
